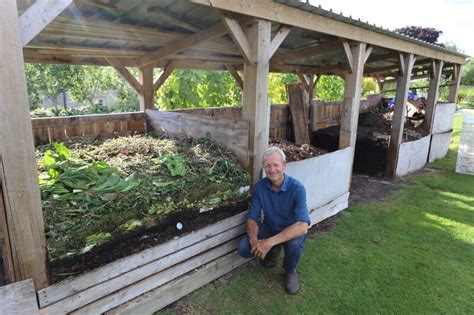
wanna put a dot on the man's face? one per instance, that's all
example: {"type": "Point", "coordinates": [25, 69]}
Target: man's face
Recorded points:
{"type": "Point", "coordinates": [274, 167]}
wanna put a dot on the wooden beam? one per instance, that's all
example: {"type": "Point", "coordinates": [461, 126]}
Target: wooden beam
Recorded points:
{"type": "Point", "coordinates": [304, 80]}
{"type": "Point", "coordinates": [398, 120]}
{"type": "Point", "coordinates": [233, 72]}
{"type": "Point", "coordinates": [256, 107]}
{"type": "Point", "coordinates": [433, 94]}
{"type": "Point", "coordinates": [238, 35]}
{"type": "Point", "coordinates": [307, 52]}
{"type": "Point", "coordinates": [348, 56]}
{"type": "Point", "coordinates": [276, 12]}
{"type": "Point", "coordinates": [147, 99]}
{"type": "Point", "coordinates": [20, 186]}
{"type": "Point", "coordinates": [455, 80]}
{"type": "Point", "coordinates": [164, 75]}
{"type": "Point", "coordinates": [125, 74]}
{"type": "Point", "coordinates": [162, 14]}
{"type": "Point", "coordinates": [183, 43]}
{"type": "Point", "coordinates": [279, 37]}
{"type": "Point", "coordinates": [352, 92]}
{"type": "Point", "coordinates": [38, 16]}
{"type": "Point", "coordinates": [97, 4]}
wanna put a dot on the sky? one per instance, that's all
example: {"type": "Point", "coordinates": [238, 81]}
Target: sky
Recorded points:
{"type": "Point", "coordinates": [454, 17]}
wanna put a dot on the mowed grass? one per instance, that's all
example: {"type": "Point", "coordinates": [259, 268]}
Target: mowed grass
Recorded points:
{"type": "Point", "coordinates": [412, 252]}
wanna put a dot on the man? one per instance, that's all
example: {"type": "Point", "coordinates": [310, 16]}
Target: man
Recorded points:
{"type": "Point", "coordinates": [283, 201]}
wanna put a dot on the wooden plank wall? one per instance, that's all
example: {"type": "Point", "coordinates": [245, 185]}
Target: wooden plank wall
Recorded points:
{"type": "Point", "coordinates": [18, 298]}
{"type": "Point", "coordinates": [230, 134]}
{"type": "Point", "coordinates": [47, 130]}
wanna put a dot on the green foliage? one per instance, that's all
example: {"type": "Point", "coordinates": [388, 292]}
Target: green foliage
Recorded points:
{"type": "Point", "coordinates": [369, 86]}
{"type": "Point", "coordinates": [198, 88]}
{"type": "Point", "coordinates": [82, 83]}
{"type": "Point", "coordinates": [330, 88]}
{"type": "Point", "coordinates": [467, 77]}
{"type": "Point", "coordinates": [466, 97]}
{"type": "Point", "coordinates": [73, 179]}
{"type": "Point", "coordinates": [174, 163]}
{"type": "Point", "coordinates": [277, 86]}
{"type": "Point", "coordinates": [95, 240]}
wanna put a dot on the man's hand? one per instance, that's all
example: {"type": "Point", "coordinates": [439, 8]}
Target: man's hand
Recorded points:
{"type": "Point", "coordinates": [262, 249]}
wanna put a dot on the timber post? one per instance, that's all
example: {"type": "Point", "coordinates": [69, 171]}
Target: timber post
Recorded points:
{"type": "Point", "coordinates": [398, 121]}
{"type": "Point", "coordinates": [356, 55]}
{"type": "Point", "coordinates": [147, 99]}
{"type": "Point", "coordinates": [455, 81]}
{"type": "Point", "coordinates": [21, 194]}
{"type": "Point", "coordinates": [433, 94]}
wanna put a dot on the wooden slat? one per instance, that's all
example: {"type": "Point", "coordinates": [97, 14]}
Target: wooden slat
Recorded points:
{"type": "Point", "coordinates": [66, 288]}
{"type": "Point", "coordinates": [299, 113]}
{"type": "Point", "coordinates": [238, 36]}
{"type": "Point", "coordinates": [18, 298]}
{"type": "Point", "coordinates": [5, 248]}
{"type": "Point", "coordinates": [328, 210]}
{"type": "Point", "coordinates": [147, 95]}
{"type": "Point", "coordinates": [149, 270]}
{"type": "Point", "coordinates": [150, 283]}
{"type": "Point", "coordinates": [230, 134]}
{"type": "Point", "coordinates": [38, 16]}
{"type": "Point", "coordinates": [85, 119]}
{"type": "Point", "coordinates": [157, 299]}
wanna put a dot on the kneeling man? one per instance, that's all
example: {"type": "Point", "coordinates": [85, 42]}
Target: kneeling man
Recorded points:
{"type": "Point", "coordinates": [285, 219]}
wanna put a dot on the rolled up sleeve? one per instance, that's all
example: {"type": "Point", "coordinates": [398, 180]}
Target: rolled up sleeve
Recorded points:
{"type": "Point", "coordinates": [301, 208]}
{"type": "Point", "coordinates": [255, 206]}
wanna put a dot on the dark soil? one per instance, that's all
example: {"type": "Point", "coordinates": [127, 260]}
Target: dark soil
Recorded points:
{"type": "Point", "coordinates": [127, 244]}
{"type": "Point", "coordinates": [373, 136]}
{"type": "Point", "coordinates": [295, 152]}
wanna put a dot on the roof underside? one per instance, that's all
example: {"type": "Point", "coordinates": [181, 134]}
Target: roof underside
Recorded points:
{"type": "Point", "coordinates": [89, 32]}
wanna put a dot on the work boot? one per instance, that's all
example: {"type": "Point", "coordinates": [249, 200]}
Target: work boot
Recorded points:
{"type": "Point", "coordinates": [270, 260]}
{"type": "Point", "coordinates": [292, 284]}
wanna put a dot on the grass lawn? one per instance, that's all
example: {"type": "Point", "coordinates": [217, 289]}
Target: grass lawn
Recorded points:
{"type": "Point", "coordinates": [412, 252]}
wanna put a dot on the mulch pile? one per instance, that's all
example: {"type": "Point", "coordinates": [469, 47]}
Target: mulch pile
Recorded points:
{"type": "Point", "coordinates": [295, 152]}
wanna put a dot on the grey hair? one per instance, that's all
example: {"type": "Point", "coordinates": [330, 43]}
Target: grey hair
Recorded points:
{"type": "Point", "coordinates": [271, 150]}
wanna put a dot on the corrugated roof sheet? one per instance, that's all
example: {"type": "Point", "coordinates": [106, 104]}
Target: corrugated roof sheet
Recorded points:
{"type": "Point", "coordinates": [305, 6]}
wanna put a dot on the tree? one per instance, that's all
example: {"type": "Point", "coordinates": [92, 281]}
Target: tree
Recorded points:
{"type": "Point", "coordinates": [427, 34]}
{"type": "Point", "coordinates": [330, 88]}
{"type": "Point", "coordinates": [467, 77]}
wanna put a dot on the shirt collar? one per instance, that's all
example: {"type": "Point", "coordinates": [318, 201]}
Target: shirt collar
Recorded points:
{"type": "Point", "coordinates": [284, 186]}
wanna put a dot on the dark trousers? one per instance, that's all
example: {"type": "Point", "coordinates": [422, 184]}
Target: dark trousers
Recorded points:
{"type": "Point", "coordinates": [293, 248]}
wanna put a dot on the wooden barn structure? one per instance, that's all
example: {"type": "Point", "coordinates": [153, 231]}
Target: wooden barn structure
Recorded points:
{"type": "Point", "coordinates": [247, 38]}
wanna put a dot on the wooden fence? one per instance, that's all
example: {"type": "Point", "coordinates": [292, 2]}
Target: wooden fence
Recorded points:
{"type": "Point", "coordinates": [47, 130]}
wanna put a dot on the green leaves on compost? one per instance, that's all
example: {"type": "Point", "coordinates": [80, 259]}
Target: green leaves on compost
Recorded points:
{"type": "Point", "coordinates": [174, 163]}
{"type": "Point", "coordinates": [74, 180]}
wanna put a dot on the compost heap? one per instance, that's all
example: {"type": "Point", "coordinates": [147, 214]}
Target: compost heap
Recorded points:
{"type": "Point", "coordinates": [103, 200]}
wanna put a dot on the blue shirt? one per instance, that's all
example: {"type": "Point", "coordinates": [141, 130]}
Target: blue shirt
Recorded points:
{"type": "Point", "coordinates": [280, 209]}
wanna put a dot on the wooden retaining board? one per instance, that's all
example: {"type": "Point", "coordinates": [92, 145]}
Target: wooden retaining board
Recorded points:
{"type": "Point", "coordinates": [47, 130]}
{"type": "Point", "coordinates": [412, 156]}
{"type": "Point", "coordinates": [465, 160]}
{"type": "Point", "coordinates": [18, 298]}
{"type": "Point", "coordinates": [325, 177]}
{"type": "Point", "coordinates": [135, 276]}
{"type": "Point", "coordinates": [230, 134]}
{"type": "Point", "coordinates": [439, 145]}
{"type": "Point", "coordinates": [72, 290]}
{"type": "Point", "coordinates": [443, 119]}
